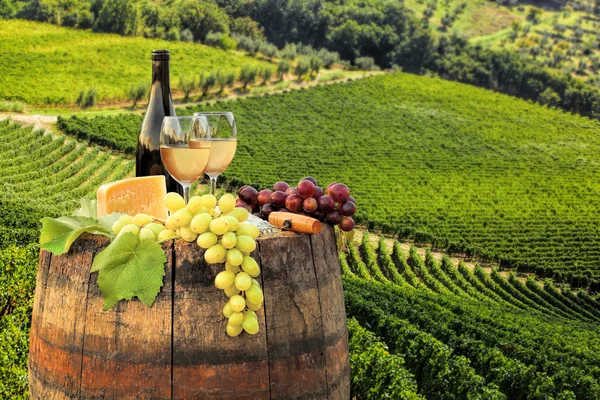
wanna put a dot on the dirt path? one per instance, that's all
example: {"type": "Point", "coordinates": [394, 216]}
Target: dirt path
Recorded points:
{"type": "Point", "coordinates": [38, 121]}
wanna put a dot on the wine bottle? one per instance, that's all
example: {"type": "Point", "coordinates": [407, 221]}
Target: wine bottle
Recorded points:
{"type": "Point", "coordinates": [148, 161]}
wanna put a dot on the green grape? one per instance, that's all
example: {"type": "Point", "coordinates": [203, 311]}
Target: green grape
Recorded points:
{"type": "Point", "coordinates": [182, 217]}
{"type": "Point", "coordinates": [226, 203]}
{"type": "Point", "coordinates": [255, 283]}
{"type": "Point", "coordinates": [187, 234]}
{"type": "Point", "coordinates": [234, 224]}
{"type": "Point", "coordinates": [215, 255]}
{"type": "Point", "coordinates": [253, 307]}
{"type": "Point", "coordinates": [250, 266]}
{"type": "Point", "coordinates": [133, 228]}
{"type": "Point", "coordinates": [195, 205]}
{"type": "Point", "coordinates": [170, 223]}
{"type": "Point", "coordinates": [146, 233]}
{"type": "Point", "coordinates": [240, 213]}
{"type": "Point", "coordinates": [224, 279]}
{"type": "Point", "coordinates": [155, 228]}
{"type": "Point", "coordinates": [248, 229]}
{"type": "Point", "coordinates": [227, 311]}
{"type": "Point", "coordinates": [174, 202]}
{"type": "Point", "coordinates": [230, 267]}
{"type": "Point", "coordinates": [126, 219]}
{"type": "Point", "coordinates": [254, 295]}
{"type": "Point", "coordinates": [236, 319]}
{"type": "Point", "coordinates": [234, 257]}
{"type": "Point", "coordinates": [250, 324]}
{"type": "Point", "coordinates": [237, 303]}
{"type": "Point", "coordinates": [142, 219]}
{"type": "Point", "coordinates": [243, 281]}
{"type": "Point", "coordinates": [166, 235]}
{"type": "Point", "coordinates": [121, 222]}
{"type": "Point", "coordinates": [229, 240]}
{"type": "Point", "coordinates": [207, 240]}
{"type": "Point", "coordinates": [200, 223]}
{"type": "Point", "coordinates": [234, 331]}
{"type": "Point", "coordinates": [214, 213]}
{"type": "Point", "coordinates": [231, 291]}
{"type": "Point", "coordinates": [245, 244]}
{"type": "Point", "coordinates": [219, 226]}
{"type": "Point", "coordinates": [209, 201]}
{"type": "Point", "coordinates": [253, 314]}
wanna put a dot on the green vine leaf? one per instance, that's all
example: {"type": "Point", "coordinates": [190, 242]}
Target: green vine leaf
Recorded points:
{"type": "Point", "coordinates": [57, 235]}
{"type": "Point", "coordinates": [88, 208]}
{"type": "Point", "coordinates": [129, 267]}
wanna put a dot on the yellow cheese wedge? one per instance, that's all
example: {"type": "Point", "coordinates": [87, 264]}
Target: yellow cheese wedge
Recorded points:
{"type": "Point", "coordinates": [133, 196]}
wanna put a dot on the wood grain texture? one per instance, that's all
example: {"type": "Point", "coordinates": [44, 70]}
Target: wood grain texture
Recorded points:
{"type": "Point", "coordinates": [178, 349]}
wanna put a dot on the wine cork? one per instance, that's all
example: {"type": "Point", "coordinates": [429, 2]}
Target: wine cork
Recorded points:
{"type": "Point", "coordinates": [295, 222]}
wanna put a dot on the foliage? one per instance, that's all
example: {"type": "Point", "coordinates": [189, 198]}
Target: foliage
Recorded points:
{"type": "Point", "coordinates": [187, 84]}
{"type": "Point", "coordinates": [248, 75]}
{"type": "Point", "coordinates": [366, 63]}
{"type": "Point", "coordinates": [87, 99]}
{"type": "Point", "coordinates": [137, 93]}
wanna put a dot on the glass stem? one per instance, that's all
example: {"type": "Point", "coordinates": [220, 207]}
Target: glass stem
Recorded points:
{"type": "Point", "coordinates": [213, 185]}
{"type": "Point", "coordinates": [186, 193]}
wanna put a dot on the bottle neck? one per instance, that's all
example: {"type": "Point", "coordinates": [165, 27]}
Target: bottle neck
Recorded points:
{"type": "Point", "coordinates": [160, 91]}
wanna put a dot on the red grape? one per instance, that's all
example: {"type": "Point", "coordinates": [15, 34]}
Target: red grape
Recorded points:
{"type": "Point", "coordinates": [348, 208]}
{"type": "Point", "coordinates": [318, 192]}
{"type": "Point", "coordinates": [241, 203]}
{"type": "Point", "coordinates": [277, 199]}
{"type": "Point", "coordinates": [320, 215]}
{"type": "Point", "coordinates": [294, 203]}
{"type": "Point", "coordinates": [267, 209]}
{"type": "Point", "coordinates": [306, 189]}
{"type": "Point", "coordinates": [249, 195]}
{"type": "Point", "coordinates": [339, 192]}
{"type": "Point", "coordinates": [242, 188]}
{"type": "Point", "coordinates": [334, 218]}
{"type": "Point", "coordinates": [280, 186]}
{"type": "Point", "coordinates": [350, 198]}
{"type": "Point", "coordinates": [284, 210]}
{"type": "Point", "coordinates": [326, 204]}
{"type": "Point", "coordinates": [329, 188]}
{"type": "Point", "coordinates": [309, 178]}
{"type": "Point", "coordinates": [264, 196]}
{"type": "Point", "coordinates": [310, 205]}
{"type": "Point", "coordinates": [291, 190]}
{"type": "Point", "coordinates": [347, 224]}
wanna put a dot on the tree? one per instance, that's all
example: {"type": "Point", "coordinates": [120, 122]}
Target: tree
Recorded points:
{"type": "Point", "coordinates": [87, 99]}
{"type": "Point", "coordinates": [283, 67]}
{"type": "Point", "coordinates": [549, 97]}
{"type": "Point", "coordinates": [248, 75]}
{"type": "Point", "coordinates": [224, 79]}
{"type": "Point", "coordinates": [302, 68]}
{"type": "Point", "coordinates": [246, 26]}
{"type": "Point", "coordinates": [137, 92]}
{"type": "Point", "coordinates": [202, 17]}
{"type": "Point", "coordinates": [207, 82]}
{"type": "Point", "coordinates": [118, 16]}
{"type": "Point", "coordinates": [315, 65]}
{"type": "Point", "coordinates": [289, 52]}
{"type": "Point", "coordinates": [266, 74]}
{"type": "Point", "coordinates": [187, 84]}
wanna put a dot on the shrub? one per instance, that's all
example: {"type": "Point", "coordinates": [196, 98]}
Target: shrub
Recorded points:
{"type": "Point", "coordinates": [137, 92]}
{"type": "Point", "coordinates": [302, 67]}
{"type": "Point", "coordinates": [266, 74]}
{"type": "Point", "coordinates": [12, 106]}
{"type": "Point", "coordinates": [172, 34]}
{"type": "Point", "coordinates": [366, 63]}
{"type": "Point", "coordinates": [289, 52]}
{"type": "Point", "coordinates": [187, 36]}
{"type": "Point", "coordinates": [248, 75]}
{"type": "Point", "coordinates": [283, 67]}
{"type": "Point", "coordinates": [207, 82]}
{"type": "Point", "coordinates": [87, 99]}
{"type": "Point", "coordinates": [220, 40]}
{"type": "Point", "coordinates": [186, 85]}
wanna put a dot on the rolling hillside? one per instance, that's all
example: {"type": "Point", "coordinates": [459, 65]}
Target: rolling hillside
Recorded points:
{"type": "Point", "coordinates": [45, 64]}
{"type": "Point", "coordinates": [463, 168]}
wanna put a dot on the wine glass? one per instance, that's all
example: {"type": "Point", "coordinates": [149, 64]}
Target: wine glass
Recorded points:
{"type": "Point", "coordinates": [185, 147]}
{"type": "Point", "coordinates": [223, 138]}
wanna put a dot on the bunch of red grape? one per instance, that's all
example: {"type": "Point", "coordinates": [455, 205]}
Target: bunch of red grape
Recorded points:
{"type": "Point", "coordinates": [334, 205]}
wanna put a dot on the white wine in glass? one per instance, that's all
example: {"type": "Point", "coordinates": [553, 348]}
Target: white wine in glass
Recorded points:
{"type": "Point", "coordinates": [185, 149]}
{"type": "Point", "coordinates": [223, 138]}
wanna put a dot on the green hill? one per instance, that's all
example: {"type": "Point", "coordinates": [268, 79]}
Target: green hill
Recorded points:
{"type": "Point", "coordinates": [45, 64]}
{"type": "Point", "coordinates": [464, 168]}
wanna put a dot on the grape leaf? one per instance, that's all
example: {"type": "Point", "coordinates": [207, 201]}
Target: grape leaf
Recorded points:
{"type": "Point", "coordinates": [129, 267]}
{"type": "Point", "coordinates": [57, 235]}
{"type": "Point", "coordinates": [89, 208]}
{"type": "Point", "coordinates": [107, 221]}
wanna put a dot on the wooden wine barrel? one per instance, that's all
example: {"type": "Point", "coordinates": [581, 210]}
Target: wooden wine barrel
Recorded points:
{"type": "Point", "coordinates": [178, 348]}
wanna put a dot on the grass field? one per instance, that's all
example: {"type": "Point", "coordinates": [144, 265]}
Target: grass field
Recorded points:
{"type": "Point", "coordinates": [44, 64]}
{"type": "Point", "coordinates": [467, 169]}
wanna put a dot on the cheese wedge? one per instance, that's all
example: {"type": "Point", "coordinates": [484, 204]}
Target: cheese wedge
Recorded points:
{"type": "Point", "coordinates": [133, 196]}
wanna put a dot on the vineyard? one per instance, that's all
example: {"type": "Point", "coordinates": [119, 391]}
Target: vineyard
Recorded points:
{"type": "Point", "coordinates": [48, 65]}
{"type": "Point", "coordinates": [458, 333]}
{"type": "Point", "coordinates": [42, 175]}
{"type": "Point", "coordinates": [468, 170]}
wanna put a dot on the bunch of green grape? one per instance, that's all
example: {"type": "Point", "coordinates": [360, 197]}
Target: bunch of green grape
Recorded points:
{"type": "Point", "coordinates": [142, 225]}
{"type": "Point", "coordinates": [228, 240]}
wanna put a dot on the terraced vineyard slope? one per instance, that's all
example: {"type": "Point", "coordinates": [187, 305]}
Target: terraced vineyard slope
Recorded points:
{"type": "Point", "coordinates": [469, 334]}
{"type": "Point", "coordinates": [47, 65]}
{"type": "Point", "coordinates": [463, 168]}
{"type": "Point", "coordinates": [42, 175]}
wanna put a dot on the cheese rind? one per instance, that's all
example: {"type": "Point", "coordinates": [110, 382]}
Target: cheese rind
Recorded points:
{"type": "Point", "coordinates": [133, 196]}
